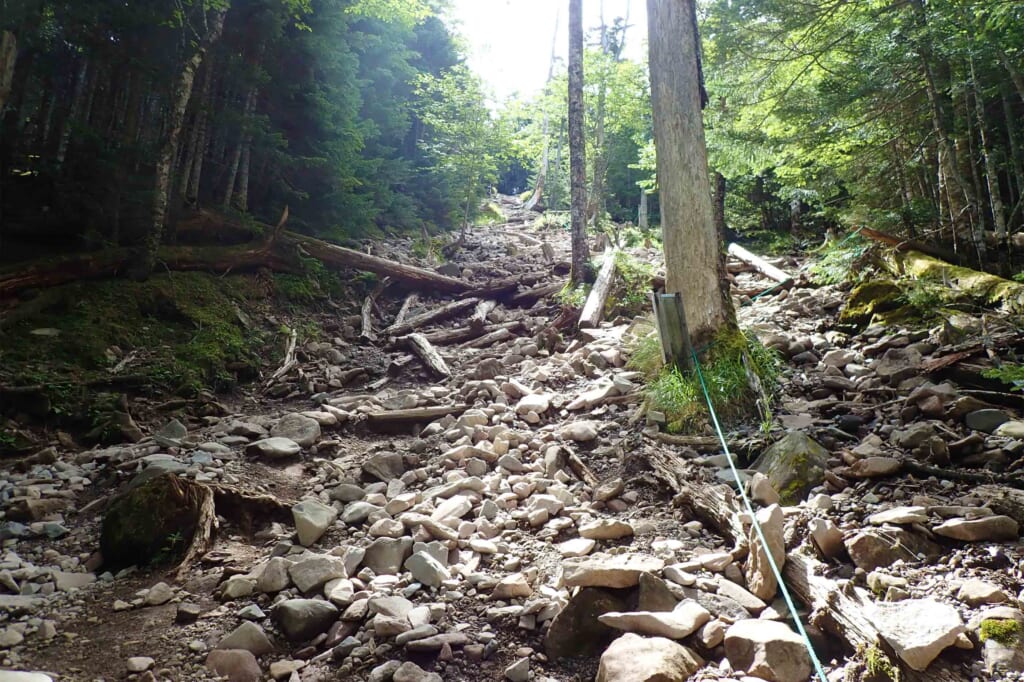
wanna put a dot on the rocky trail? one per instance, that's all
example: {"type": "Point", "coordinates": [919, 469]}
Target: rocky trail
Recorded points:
{"type": "Point", "coordinates": [470, 489]}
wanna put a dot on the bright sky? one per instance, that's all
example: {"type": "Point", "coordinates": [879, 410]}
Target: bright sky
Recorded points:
{"type": "Point", "coordinates": [509, 41]}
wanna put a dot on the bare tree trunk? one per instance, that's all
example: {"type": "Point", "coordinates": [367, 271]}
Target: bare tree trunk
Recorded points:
{"type": "Point", "coordinates": [991, 173]}
{"type": "Point", "coordinates": [694, 259]}
{"type": "Point", "coordinates": [906, 201]}
{"type": "Point", "coordinates": [76, 105]}
{"type": "Point", "coordinates": [577, 148]}
{"type": "Point", "coordinates": [718, 205]}
{"type": "Point", "coordinates": [189, 165]}
{"type": "Point", "coordinates": [642, 213]}
{"type": "Point", "coordinates": [8, 55]}
{"type": "Point", "coordinates": [1017, 162]}
{"type": "Point", "coordinates": [1015, 74]}
{"type": "Point", "coordinates": [538, 192]}
{"type": "Point", "coordinates": [168, 149]}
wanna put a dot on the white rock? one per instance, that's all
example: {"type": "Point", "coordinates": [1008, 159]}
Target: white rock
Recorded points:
{"type": "Point", "coordinates": [605, 529]}
{"type": "Point", "coordinates": [312, 519]}
{"type": "Point", "coordinates": [917, 629]}
{"type": "Point", "coordinates": [767, 649]}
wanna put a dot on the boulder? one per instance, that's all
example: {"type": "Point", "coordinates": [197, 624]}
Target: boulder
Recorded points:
{"type": "Point", "coordinates": [605, 529]}
{"type": "Point", "coordinates": [794, 464]}
{"type": "Point", "coordinates": [986, 420]}
{"type": "Point", "coordinates": [304, 619]}
{"type": "Point", "coordinates": [761, 580]}
{"type": "Point", "coordinates": [632, 658]}
{"type": "Point", "coordinates": [301, 429]}
{"type": "Point", "coordinates": [384, 556]}
{"type": "Point", "coordinates": [898, 364]}
{"type": "Point", "coordinates": [248, 636]}
{"type": "Point", "coordinates": [681, 622]}
{"type": "Point", "coordinates": [871, 549]}
{"type": "Point", "coordinates": [989, 528]}
{"type": "Point", "coordinates": [234, 664]}
{"type": "Point", "coordinates": [426, 569]}
{"type": "Point", "coordinates": [273, 448]}
{"type": "Point", "coordinates": [767, 649]}
{"type": "Point", "coordinates": [976, 592]}
{"type": "Point", "coordinates": [576, 630]}
{"type": "Point", "coordinates": [312, 519]}
{"type": "Point", "coordinates": [606, 570]}
{"type": "Point", "coordinates": [917, 629]}
{"type": "Point", "coordinates": [384, 466]}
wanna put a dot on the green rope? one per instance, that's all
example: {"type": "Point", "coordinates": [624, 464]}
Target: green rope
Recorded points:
{"type": "Point", "coordinates": [757, 527]}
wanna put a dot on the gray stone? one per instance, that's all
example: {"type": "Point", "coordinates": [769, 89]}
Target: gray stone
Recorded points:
{"type": "Point", "coordinates": [767, 649]}
{"type": "Point", "coordinates": [314, 573]}
{"type": "Point", "coordinates": [384, 556]}
{"type": "Point", "coordinates": [312, 519]}
{"type": "Point", "coordinates": [632, 658]}
{"type": "Point", "coordinates": [986, 420]}
{"type": "Point", "coordinates": [304, 619]}
{"type": "Point", "coordinates": [913, 435]}
{"type": "Point", "coordinates": [426, 569]}
{"type": "Point", "coordinates": [384, 466]}
{"type": "Point", "coordinates": [16, 676]}
{"type": "Point", "coordinates": [604, 570]}
{"type": "Point", "coordinates": [901, 516]}
{"type": "Point", "coordinates": [171, 434]}
{"type": "Point", "coordinates": [301, 429]}
{"type": "Point", "coordinates": [576, 630]}
{"type": "Point", "coordinates": [410, 672]}
{"type": "Point", "coordinates": [898, 364]}
{"type": "Point", "coordinates": [235, 664]}
{"type": "Point", "coordinates": [681, 622]}
{"type": "Point", "coordinates": [760, 579]}
{"type": "Point", "coordinates": [518, 671]}
{"type": "Point", "coordinates": [605, 529]}
{"type": "Point", "coordinates": [871, 549]}
{"type": "Point", "coordinates": [976, 592]}
{"type": "Point", "coordinates": [248, 636]}
{"type": "Point", "coordinates": [991, 528]}
{"type": "Point", "coordinates": [794, 465]}
{"type": "Point", "coordinates": [917, 629]}
{"type": "Point", "coordinates": [274, 576]}
{"type": "Point", "coordinates": [273, 448]}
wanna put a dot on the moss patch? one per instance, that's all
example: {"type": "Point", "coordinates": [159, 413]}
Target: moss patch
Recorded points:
{"type": "Point", "coordinates": [869, 299]}
{"type": "Point", "coordinates": [1004, 631]}
{"type": "Point", "coordinates": [680, 396]}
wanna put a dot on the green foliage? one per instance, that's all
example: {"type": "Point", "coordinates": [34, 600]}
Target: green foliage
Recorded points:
{"type": "Point", "coordinates": [629, 296]}
{"type": "Point", "coordinates": [573, 296]}
{"type": "Point", "coordinates": [878, 665]}
{"type": "Point", "coordinates": [1008, 373]}
{"type": "Point", "coordinates": [839, 259]}
{"type": "Point", "coordinates": [1004, 631]}
{"type": "Point", "coordinates": [680, 396]}
{"type": "Point", "coordinates": [925, 296]}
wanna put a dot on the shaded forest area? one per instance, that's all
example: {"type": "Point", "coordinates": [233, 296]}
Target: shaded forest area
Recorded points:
{"type": "Point", "coordinates": [121, 118]}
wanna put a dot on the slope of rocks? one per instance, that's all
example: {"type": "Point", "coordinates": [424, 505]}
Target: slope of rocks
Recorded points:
{"type": "Point", "coordinates": [521, 519]}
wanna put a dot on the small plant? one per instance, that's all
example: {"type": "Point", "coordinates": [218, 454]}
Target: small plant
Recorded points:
{"type": "Point", "coordinates": [574, 296]}
{"type": "Point", "coordinates": [924, 296]}
{"type": "Point", "coordinates": [1008, 373]}
{"type": "Point", "coordinates": [645, 357]}
{"type": "Point", "coordinates": [630, 295]}
{"type": "Point", "coordinates": [727, 373]}
{"type": "Point", "coordinates": [172, 545]}
{"type": "Point", "coordinates": [1005, 631]}
{"type": "Point", "coordinates": [878, 666]}
{"type": "Point", "coordinates": [841, 260]}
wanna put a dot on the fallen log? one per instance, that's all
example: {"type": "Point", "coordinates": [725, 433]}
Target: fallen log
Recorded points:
{"type": "Point", "coordinates": [435, 315]}
{"type": "Point", "coordinates": [762, 266]}
{"type": "Point", "coordinates": [289, 361]}
{"type": "Point", "coordinates": [529, 297]}
{"type": "Point", "coordinates": [407, 304]}
{"type": "Point", "coordinates": [909, 245]}
{"type": "Point", "coordinates": [427, 354]}
{"type": "Point", "coordinates": [1003, 500]}
{"type": "Point", "coordinates": [843, 611]}
{"type": "Point", "coordinates": [391, 419]}
{"type": "Point", "coordinates": [340, 256]}
{"type": "Point", "coordinates": [490, 339]}
{"type": "Point", "coordinates": [593, 309]}
{"type": "Point", "coordinates": [967, 285]}
{"type": "Point", "coordinates": [448, 337]}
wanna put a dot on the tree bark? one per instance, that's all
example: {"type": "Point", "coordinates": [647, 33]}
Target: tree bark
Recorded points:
{"type": "Point", "coordinates": [577, 146]}
{"type": "Point", "coordinates": [642, 213]}
{"type": "Point", "coordinates": [76, 104]}
{"type": "Point", "coordinates": [593, 309]}
{"type": "Point", "coordinates": [991, 173]}
{"type": "Point", "coordinates": [694, 259]}
{"type": "Point", "coordinates": [1017, 161]}
{"type": "Point", "coordinates": [169, 145]}
{"type": "Point", "coordinates": [8, 55]}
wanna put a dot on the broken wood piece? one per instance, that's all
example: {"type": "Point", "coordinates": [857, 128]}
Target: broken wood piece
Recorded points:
{"type": "Point", "coordinates": [698, 443]}
{"type": "Point", "coordinates": [759, 263]}
{"type": "Point", "coordinates": [390, 419]}
{"type": "Point", "coordinates": [448, 337]}
{"type": "Point", "coordinates": [407, 304]}
{"type": "Point", "coordinates": [289, 361]}
{"type": "Point", "coordinates": [427, 354]}
{"type": "Point", "coordinates": [483, 309]}
{"type": "Point", "coordinates": [366, 314]}
{"type": "Point", "coordinates": [547, 252]}
{"type": "Point", "coordinates": [582, 471]}
{"type": "Point", "coordinates": [528, 297]}
{"type": "Point", "coordinates": [593, 309]}
{"type": "Point", "coordinates": [430, 316]}
{"type": "Point", "coordinates": [486, 340]}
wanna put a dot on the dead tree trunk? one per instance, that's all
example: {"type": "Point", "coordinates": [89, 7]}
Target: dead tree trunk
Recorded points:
{"type": "Point", "coordinates": [169, 146]}
{"type": "Point", "coordinates": [577, 146]}
{"type": "Point", "coordinates": [593, 309]}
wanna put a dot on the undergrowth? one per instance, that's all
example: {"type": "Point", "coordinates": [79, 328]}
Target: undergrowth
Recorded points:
{"type": "Point", "coordinates": [841, 261]}
{"type": "Point", "coordinates": [629, 296]}
{"type": "Point", "coordinates": [679, 395]}
{"type": "Point", "coordinates": [1008, 373]}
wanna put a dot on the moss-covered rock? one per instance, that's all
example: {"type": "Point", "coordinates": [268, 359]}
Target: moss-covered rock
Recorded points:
{"type": "Point", "coordinates": [793, 465]}
{"type": "Point", "coordinates": [152, 523]}
{"type": "Point", "coordinates": [870, 299]}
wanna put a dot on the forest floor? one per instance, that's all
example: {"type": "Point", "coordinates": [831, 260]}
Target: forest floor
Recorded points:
{"type": "Point", "coordinates": [417, 526]}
